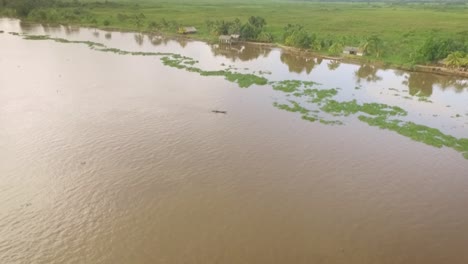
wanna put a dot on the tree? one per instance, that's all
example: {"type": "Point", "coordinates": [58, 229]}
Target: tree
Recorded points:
{"type": "Point", "coordinates": [372, 45]}
{"type": "Point", "coordinates": [265, 37]}
{"type": "Point", "coordinates": [221, 27]}
{"type": "Point", "coordinates": [253, 28]}
{"type": "Point", "coordinates": [138, 21]}
{"type": "Point", "coordinates": [24, 7]}
{"type": "Point", "coordinates": [256, 21]}
{"type": "Point", "coordinates": [436, 49]}
{"type": "Point", "coordinates": [235, 26]}
{"type": "Point", "coordinates": [336, 48]}
{"type": "Point", "coordinates": [249, 32]}
{"type": "Point", "coordinates": [297, 36]}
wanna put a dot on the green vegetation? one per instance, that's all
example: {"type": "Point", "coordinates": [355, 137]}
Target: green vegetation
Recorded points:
{"type": "Point", "coordinates": [352, 107]}
{"type": "Point", "coordinates": [295, 108]}
{"type": "Point", "coordinates": [297, 36]}
{"type": "Point", "coordinates": [420, 133]}
{"type": "Point", "coordinates": [435, 49]}
{"type": "Point", "coordinates": [290, 86]}
{"type": "Point", "coordinates": [243, 80]}
{"type": "Point", "coordinates": [457, 59]}
{"type": "Point", "coordinates": [252, 30]}
{"type": "Point", "coordinates": [396, 33]}
{"type": "Point", "coordinates": [374, 114]}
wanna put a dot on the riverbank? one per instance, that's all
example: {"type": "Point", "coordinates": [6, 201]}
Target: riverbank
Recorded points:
{"type": "Point", "coordinates": [390, 31]}
{"type": "Point", "coordinates": [357, 60]}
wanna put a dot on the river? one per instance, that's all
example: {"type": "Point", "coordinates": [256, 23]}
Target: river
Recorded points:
{"type": "Point", "coordinates": [108, 158]}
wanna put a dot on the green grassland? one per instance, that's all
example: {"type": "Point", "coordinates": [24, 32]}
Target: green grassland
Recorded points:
{"type": "Point", "coordinates": [401, 28]}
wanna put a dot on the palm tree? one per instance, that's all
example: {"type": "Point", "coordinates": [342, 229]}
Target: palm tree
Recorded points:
{"type": "Point", "coordinates": [372, 45]}
{"type": "Point", "coordinates": [336, 48]}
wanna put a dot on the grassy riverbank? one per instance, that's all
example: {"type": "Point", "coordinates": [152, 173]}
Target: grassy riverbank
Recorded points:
{"type": "Point", "coordinates": [402, 32]}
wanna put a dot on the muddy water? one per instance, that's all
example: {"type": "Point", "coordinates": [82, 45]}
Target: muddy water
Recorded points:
{"type": "Point", "coordinates": [107, 158]}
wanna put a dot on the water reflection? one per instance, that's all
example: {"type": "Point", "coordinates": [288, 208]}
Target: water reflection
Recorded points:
{"type": "Point", "coordinates": [422, 84]}
{"type": "Point", "coordinates": [157, 40]}
{"type": "Point", "coordinates": [108, 35]}
{"type": "Point", "coordinates": [139, 38]}
{"type": "Point", "coordinates": [240, 52]}
{"type": "Point", "coordinates": [297, 63]}
{"type": "Point", "coordinates": [182, 42]}
{"type": "Point", "coordinates": [368, 73]}
{"type": "Point", "coordinates": [333, 65]}
{"type": "Point", "coordinates": [28, 27]}
{"type": "Point", "coordinates": [51, 29]}
{"type": "Point", "coordinates": [71, 30]}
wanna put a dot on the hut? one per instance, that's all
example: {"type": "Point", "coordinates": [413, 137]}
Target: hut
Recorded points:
{"type": "Point", "coordinates": [228, 39]}
{"type": "Point", "coordinates": [353, 51]}
{"type": "Point", "coordinates": [187, 30]}
{"type": "Point", "coordinates": [235, 37]}
{"type": "Point", "coordinates": [225, 39]}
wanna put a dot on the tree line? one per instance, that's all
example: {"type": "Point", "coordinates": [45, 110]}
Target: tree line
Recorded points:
{"type": "Point", "coordinates": [452, 51]}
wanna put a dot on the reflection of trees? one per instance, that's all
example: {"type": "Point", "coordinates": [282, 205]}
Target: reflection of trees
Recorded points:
{"type": "Point", "coordinates": [139, 38]}
{"type": "Point", "coordinates": [182, 42]}
{"type": "Point", "coordinates": [420, 83]}
{"type": "Point", "coordinates": [28, 27]}
{"type": "Point", "coordinates": [368, 73]}
{"type": "Point", "coordinates": [452, 82]}
{"type": "Point", "coordinates": [157, 40]}
{"type": "Point", "coordinates": [399, 72]}
{"type": "Point", "coordinates": [297, 63]}
{"type": "Point", "coordinates": [69, 30]}
{"type": "Point", "coordinates": [241, 52]}
{"type": "Point", "coordinates": [48, 29]}
{"type": "Point", "coordinates": [333, 65]}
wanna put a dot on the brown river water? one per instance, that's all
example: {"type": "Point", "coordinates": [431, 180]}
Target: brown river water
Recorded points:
{"type": "Point", "coordinates": [108, 158]}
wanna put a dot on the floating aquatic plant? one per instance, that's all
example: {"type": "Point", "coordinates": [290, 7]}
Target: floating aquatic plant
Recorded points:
{"type": "Point", "coordinates": [420, 133]}
{"type": "Point", "coordinates": [289, 86]}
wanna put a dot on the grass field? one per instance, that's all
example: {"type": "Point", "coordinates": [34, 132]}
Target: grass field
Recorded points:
{"type": "Point", "coordinates": [402, 28]}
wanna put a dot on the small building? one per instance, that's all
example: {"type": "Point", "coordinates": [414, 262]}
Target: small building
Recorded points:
{"type": "Point", "coordinates": [235, 37]}
{"type": "Point", "coordinates": [225, 39]}
{"type": "Point", "coordinates": [187, 30]}
{"type": "Point", "coordinates": [228, 39]}
{"type": "Point", "coordinates": [353, 51]}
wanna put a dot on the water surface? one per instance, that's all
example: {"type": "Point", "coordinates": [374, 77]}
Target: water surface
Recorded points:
{"type": "Point", "coordinates": [109, 158]}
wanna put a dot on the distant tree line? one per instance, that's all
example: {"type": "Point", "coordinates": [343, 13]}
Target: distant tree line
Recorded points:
{"type": "Point", "coordinates": [452, 51]}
